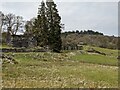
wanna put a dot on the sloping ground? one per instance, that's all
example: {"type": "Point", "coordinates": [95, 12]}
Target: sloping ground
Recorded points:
{"type": "Point", "coordinates": [108, 52]}
{"type": "Point", "coordinates": [104, 57]}
{"type": "Point", "coordinates": [55, 70]}
{"type": "Point", "coordinates": [96, 59]}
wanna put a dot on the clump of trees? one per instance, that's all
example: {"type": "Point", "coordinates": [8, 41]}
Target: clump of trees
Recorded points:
{"type": "Point", "coordinates": [46, 28]}
{"type": "Point", "coordinates": [10, 24]}
{"type": "Point", "coordinates": [84, 32]}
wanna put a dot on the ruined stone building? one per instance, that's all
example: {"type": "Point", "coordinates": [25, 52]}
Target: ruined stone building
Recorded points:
{"type": "Point", "coordinates": [22, 41]}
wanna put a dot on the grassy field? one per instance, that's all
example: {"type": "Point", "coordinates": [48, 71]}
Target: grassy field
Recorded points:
{"type": "Point", "coordinates": [71, 69]}
{"type": "Point", "coordinates": [97, 59]}
{"type": "Point", "coordinates": [109, 52]}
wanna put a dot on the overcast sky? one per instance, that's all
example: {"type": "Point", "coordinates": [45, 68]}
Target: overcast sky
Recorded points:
{"type": "Point", "coordinates": [98, 16]}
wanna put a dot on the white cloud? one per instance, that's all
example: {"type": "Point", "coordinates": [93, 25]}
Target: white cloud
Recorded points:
{"type": "Point", "coordinates": [25, 9]}
{"type": "Point", "coordinates": [102, 16]}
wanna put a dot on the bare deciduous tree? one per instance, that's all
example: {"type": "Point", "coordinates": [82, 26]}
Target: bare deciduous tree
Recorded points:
{"type": "Point", "coordinates": [12, 24]}
{"type": "Point", "coordinates": [29, 26]}
{"type": "Point", "coordinates": [1, 20]}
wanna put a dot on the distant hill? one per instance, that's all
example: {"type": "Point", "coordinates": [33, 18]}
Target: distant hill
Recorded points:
{"type": "Point", "coordinates": [89, 38]}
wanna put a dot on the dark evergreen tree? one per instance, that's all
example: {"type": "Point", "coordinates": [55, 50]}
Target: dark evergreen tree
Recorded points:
{"type": "Point", "coordinates": [40, 26]}
{"type": "Point", "coordinates": [54, 26]}
{"type": "Point", "coordinates": [37, 30]}
{"type": "Point", "coordinates": [44, 26]}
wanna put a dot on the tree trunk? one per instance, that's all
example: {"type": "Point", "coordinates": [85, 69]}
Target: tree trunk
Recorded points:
{"type": "Point", "coordinates": [8, 38]}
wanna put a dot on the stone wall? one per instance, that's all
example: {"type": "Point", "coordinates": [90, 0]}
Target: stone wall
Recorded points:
{"type": "Point", "coordinates": [22, 41]}
{"type": "Point", "coordinates": [6, 50]}
{"type": "Point", "coordinates": [72, 47]}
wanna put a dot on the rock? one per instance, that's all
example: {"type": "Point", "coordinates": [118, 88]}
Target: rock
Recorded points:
{"type": "Point", "coordinates": [118, 57]}
{"type": "Point", "coordinates": [8, 59]}
{"type": "Point", "coordinates": [91, 50]}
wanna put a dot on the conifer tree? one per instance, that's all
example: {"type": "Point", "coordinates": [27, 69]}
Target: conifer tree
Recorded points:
{"type": "Point", "coordinates": [44, 27]}
{"type": "Point", "coordinates": [40, 26]}
{"type": "Point", "coordinates": [54, 27]}
{"type": "Point", "coordinates": [37, 30]}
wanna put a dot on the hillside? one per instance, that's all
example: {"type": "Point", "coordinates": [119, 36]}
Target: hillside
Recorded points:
{"type": "Point", "coordinates": [89, 38]}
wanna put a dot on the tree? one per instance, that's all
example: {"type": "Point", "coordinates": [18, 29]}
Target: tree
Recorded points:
{"type": "Point", "coordinates": [29, 27]}
{"type": "Point", "coordinates": [12, 24]}
{"type": "Point", "coordinates": [8, 23]}
{"type": "Point", "coordinates": [1, 20]}
{"type": "Point", "coordinates": [1, 24]}
{"type": "Point", "coordinates": [36, 30]}
{"type": "Point", "coordinates": [43, 22]}
{"type": "Point", "coordinates": [18, 24]}
{"type": "Point", "coordinates": [54, 25]}
{"type": "Point", "coordinates": [40, 27]}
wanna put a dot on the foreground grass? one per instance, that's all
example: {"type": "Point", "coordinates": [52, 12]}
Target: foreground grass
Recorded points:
{"type": "Point", "coordinates": [52, 70]}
